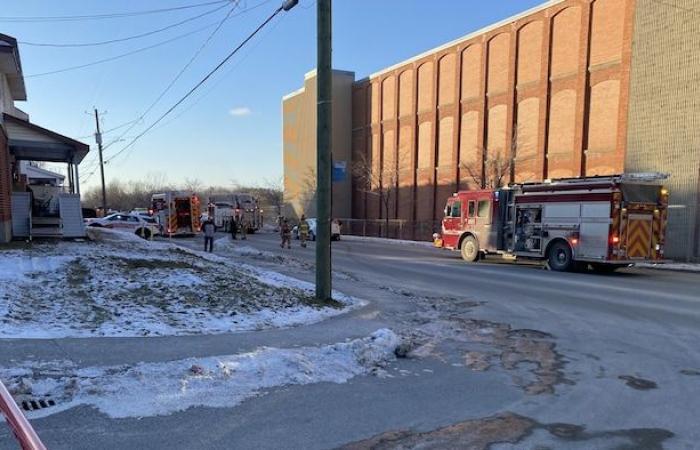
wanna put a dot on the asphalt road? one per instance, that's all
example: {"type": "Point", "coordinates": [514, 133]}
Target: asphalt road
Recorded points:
{"type": "Point", "coordinates": [618, 357]}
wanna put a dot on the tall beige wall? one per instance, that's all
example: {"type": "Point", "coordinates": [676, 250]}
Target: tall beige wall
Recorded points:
{"type": "Point", "coordinates": [664, 117]}
{"type": "Point", "coordinates": [299, 145]}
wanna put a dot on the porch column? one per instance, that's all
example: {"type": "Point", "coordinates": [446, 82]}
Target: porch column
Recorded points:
{"type": "Point", "coordinates": [70, 178]}
{"type": "Point", "coordinates": [77, 180]}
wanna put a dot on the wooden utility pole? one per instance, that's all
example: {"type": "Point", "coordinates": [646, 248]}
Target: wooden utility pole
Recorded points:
{"type": "Point", "coordinates": [323, 151]}
{"type": "Point", "coordinates": [98, 139]}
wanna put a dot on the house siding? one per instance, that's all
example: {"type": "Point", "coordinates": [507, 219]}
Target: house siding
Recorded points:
{"type": "Point", "coordinates": [5, 189]}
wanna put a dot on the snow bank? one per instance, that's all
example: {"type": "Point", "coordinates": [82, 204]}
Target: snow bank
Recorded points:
{"type": "Point", "coordinates": [683, 267]}
{"type": "Point", "coordinates": [14, 266]}
{"type": "Point", "coordinates": [121, 285]}
{"type": "Point", "coordinates": [149, 389]}
{"type": "Point", "coordinates": [387, 241]}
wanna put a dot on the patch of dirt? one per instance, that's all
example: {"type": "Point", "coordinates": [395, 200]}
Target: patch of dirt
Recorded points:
{"type": "Point", "coordinates": [511, 349]}
{"type": "Point", "coordinates": [471, 434]}
{"type": "Point", "coordinates": [509, 428]}
{"type": "Point", "coordinates": [640, 384]}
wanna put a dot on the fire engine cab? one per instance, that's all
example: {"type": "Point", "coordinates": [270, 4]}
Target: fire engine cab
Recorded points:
{"type": "Point", "coordinates": [605, 222]}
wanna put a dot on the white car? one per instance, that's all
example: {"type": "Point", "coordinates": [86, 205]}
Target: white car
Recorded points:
{"type": "Point", "coordinates": [146, 227]}
{"type": "Point", "coordinates": [335, 230]}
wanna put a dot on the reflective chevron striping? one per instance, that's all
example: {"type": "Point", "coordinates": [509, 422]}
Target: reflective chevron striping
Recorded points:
{"type": "Point", "coordinates": [639, 238]}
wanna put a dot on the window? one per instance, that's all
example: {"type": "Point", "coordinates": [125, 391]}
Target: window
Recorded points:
{"type": "Point", "coordinates": [472, 208]}
{"type": "Point", "coordinates": [484, 208]}
{"type": "Point", "coordinates": [456, 209]}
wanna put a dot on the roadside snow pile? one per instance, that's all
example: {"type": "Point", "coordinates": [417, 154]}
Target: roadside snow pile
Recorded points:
{"type": "Point", "coordinates": [19, 266]}
{"type": "Point", "coordinates": [683, 267]}
{"type": "Point", "coordinates": [349, 237]}
{"type": "Point", "coordinates": [121, 285]}
{"type": "Point", "coordinates": [148, 389]}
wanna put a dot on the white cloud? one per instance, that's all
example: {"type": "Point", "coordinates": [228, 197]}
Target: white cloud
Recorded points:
{"type": "Point", "coordinates": [240, 111]}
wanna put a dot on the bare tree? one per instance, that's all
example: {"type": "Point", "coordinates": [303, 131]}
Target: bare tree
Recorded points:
{"type": "Point", "coordinates": [494, 170]}
{"type": "Point", "coordinates": [272, 192]}
{"type": "Point", "coordinates": [382, 183]}
{"type": "Point", "coordinates": [193, 185]}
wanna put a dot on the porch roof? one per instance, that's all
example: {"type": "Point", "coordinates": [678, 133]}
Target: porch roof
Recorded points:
{"type": "Point", "coordinates": [31, 142]}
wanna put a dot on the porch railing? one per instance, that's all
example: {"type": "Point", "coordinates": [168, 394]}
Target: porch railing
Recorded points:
{"type": "Point", "coordinates": [20, 426]}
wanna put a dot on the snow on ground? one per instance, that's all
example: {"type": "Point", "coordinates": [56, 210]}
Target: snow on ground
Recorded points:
{"type": "Point", "coordinates": [148, 389]}
{"type": "Point", "coordinates": [387, 240]}
{"type": "Point", "coordinates": [685, 267]}
{"type": "Point", "coordinates": [121, 285]}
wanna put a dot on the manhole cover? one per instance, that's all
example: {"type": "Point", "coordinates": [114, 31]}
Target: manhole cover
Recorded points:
{"type": "Point", "coordinates": [35, 404]}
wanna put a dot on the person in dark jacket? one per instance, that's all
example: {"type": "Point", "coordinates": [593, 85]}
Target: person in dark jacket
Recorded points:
{"type": "Point", "coordinates": [286, 234]}
{"type": "Point", "coordinates": [209, 229]}
{"type": "Point", "coordinates": [234, 227]}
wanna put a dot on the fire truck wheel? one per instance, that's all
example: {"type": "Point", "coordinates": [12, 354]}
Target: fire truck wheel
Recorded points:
{"type": "Point", "coordinates": [559, 257]}
{"type": "Point", "coordinates": [470, 249]}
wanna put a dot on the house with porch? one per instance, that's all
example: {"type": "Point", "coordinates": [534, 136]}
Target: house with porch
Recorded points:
{"type": "Point", "coordinates": [33, 206]}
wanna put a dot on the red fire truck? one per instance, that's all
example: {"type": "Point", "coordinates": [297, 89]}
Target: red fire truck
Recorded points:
{"type": "Point", "coordinates": [605, 222]}
{"type": "Point", "coordinates": [177, 212]}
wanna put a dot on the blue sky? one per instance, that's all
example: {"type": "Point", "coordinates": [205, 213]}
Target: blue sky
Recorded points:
{"type": "Point", "coordinates": [231, 128]}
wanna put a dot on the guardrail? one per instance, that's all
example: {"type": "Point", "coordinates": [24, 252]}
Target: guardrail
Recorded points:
{"type": "Point", "coordinates": [23, 430]}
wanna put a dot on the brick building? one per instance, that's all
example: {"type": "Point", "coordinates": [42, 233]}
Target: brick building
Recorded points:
{"type": "Point", "coordinates": [569, 88]}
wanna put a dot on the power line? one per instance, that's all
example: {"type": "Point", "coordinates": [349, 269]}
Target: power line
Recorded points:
{"type": "Point", "coordinates": [110, 130]}
{"type": "Point", "coordinates": [203, 80]}
{"type": "Point", "coordinates": [179, 74]}
{"type": "Point", "coordinates": [142, 49]}
{"type": "Point", "coordinates": [105, 16]}
{"type": "Point", "coordinates": [123, 55]}
{"type": "Point", "coordinates": [221, 79]}
{"type": "Point", "coordinates": [128, 38]}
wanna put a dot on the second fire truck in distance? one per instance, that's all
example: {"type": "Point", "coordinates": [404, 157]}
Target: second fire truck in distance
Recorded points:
{"type": "Point", "coordinates": [178, 213]}
{"type": "Point", "coordinates": [605, 222]}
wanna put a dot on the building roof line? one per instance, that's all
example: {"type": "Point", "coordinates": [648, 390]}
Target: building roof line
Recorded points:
{"type": "Point", "coordinates": [465, 38]}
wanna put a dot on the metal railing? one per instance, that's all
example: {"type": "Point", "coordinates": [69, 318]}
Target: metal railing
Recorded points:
{"type": "Point", "coordinates": [20, 426]}
{"type": "Point", "coordinates": [392, 229]}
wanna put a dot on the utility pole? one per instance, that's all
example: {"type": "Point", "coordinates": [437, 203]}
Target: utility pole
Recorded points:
{"type": "Point", "coordinates": [98, 139]}
{"type": "Point", "coordinates": [323, 151]}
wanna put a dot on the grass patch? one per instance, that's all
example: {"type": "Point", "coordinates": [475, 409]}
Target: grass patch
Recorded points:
{"type": "Point", "coordinates": [153, 264]}
{"type": "Point", "coordinates": [77, 274]}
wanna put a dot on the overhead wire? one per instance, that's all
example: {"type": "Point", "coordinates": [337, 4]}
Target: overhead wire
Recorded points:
{"type": "Point", "coordinates": [179, 74]}
{"type": "Point", "coordinates": [75, 18]}
{"type": "Point", "coordinates": [220, 80]}
{"type": "Point", "coordinates": [141, 49]}
{"type": "Point", "coordinates": [199, 84]}
{"type": "Point", "coordinates": [127, 38]}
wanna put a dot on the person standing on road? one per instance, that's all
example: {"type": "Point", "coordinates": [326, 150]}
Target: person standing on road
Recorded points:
{"type": "Point", "coordinates": [234, 227]}
{"type": "Point", "coordinates": [303, 230]}
{"type": "Point", "coordinates": [286, 234]}
{"type": "Point", "coordinates": [209, 230]}
{"type": "Point", "coordinates": [244, 229]}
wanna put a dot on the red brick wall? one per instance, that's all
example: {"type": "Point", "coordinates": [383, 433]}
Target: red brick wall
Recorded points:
{"type": "Point", "coordinates": [551, 87]}
{"type": "Point", "coordinates": [5, 178]}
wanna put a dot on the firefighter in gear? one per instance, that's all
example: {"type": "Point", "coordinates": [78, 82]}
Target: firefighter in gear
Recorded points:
{"type": "Point", "coordinates": [286, 234]}
{"type": "Point", "coordinates": [303, 230]}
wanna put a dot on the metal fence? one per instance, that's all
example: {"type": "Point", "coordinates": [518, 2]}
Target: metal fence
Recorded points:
{"type": "Point", "coordinates": [392, 229]}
